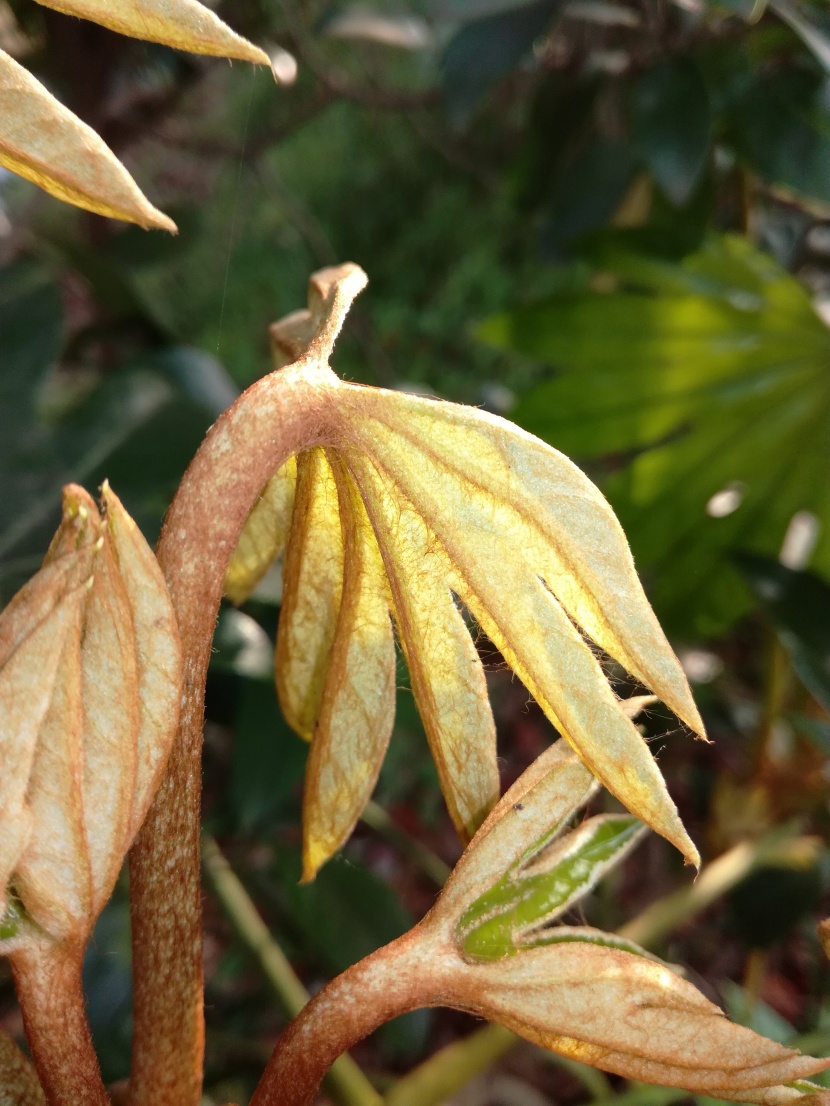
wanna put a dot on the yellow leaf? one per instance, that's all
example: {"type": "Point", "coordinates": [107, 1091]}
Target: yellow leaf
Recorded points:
{"type": "Point", "coordinates": [264, 535]}
{"type": "Point", "coordinates": [447, 675]}
{"type": "Point", "coordinates": [534, 547]}
{"type": "Point", "coordinates": [183, 24]}
{"type": "Point", "coordinates": [312, 584]}
{"type": "Point", "coordinates": [466, 507]}
{"type": "Point", "coordinates": [44, 142]}
{"type": "Point", "coordinates": [358, 703]}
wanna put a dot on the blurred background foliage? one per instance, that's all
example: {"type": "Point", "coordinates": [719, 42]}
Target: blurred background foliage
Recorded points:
{"type": "Point", "coordinates": [606, 219]}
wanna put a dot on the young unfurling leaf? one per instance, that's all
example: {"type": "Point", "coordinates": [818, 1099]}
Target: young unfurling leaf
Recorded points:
{"type": "Point", "coordinates": [466, 508]}
{"type": "Point", "coordinates": [489, 947]}
{"type": "Point", "coordinates": [90, 684]}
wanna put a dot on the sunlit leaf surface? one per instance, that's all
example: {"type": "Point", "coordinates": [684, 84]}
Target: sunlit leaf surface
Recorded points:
{"type": "Point", "coordinates": [629, 1015]}
{"type": "Point", "coordinates": [46, 143]}
{"type": "Point", "coordinates": [184, 24]}
{"type": "Point", "coordinates": [264, 536]}
{"type": "Point", "coordinates": [468, 513]}
{"type": "Point", "coordinates": [714, 372]}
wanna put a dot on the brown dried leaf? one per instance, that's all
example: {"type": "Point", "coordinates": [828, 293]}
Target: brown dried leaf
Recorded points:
{"type": "Point", "coordinates": [312, 585]}
{"type": "Point", "coordinates": [358, 703]}
{"type": "Point", "coordinates": [183, 24]}
{"type": "Point", "coordinates": [264, 535]}
{"type": "Point", "coordinates": [44, 142]}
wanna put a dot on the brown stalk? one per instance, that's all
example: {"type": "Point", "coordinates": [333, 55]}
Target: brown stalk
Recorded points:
{"type": "Point", "coordinates": [405, 975]}
{"type": "Point", "coordinates": [48, 982]}
{"type": "Point", "coordinates": [280, 415]}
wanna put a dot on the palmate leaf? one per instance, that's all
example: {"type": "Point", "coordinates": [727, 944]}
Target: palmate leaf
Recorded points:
{"type": "Point", "coordinates": [716, 369]}
{"type": "Point", "coordinates": [461, 506]}
{"type": "Point", "coordinates": [47, 144]}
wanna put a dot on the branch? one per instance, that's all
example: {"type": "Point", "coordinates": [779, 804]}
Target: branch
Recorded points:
{"type": "Point", "coordinates": [280, 415]}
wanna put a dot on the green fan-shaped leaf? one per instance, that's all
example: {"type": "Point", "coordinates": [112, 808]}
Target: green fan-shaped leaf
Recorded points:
{"type": "Point", "coordinates": [714, 374]}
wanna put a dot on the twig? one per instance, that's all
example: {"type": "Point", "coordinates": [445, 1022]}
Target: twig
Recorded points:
{"type": "Point", "coordinates": [345, 1081]}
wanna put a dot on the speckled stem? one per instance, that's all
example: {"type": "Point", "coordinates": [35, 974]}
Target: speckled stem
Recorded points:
{"type": "Point", "coordinates": [48, 983]}
{"type": "Point", "coordinates": [409, 973]}
{"type": "Point", "coordinates": [281, 414]}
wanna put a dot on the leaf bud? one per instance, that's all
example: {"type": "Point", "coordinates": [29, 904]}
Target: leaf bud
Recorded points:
{"type": "Point", "coordinates": [90, 677]}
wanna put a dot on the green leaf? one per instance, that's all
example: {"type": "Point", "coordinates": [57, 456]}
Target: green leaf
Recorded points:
{"type": "Point", "coordinates": [587, 193]}
{"type": "Point", "coordinates": [539, 888]}
{"type": "Point", "coordinates": [799, 605]}
{"type": "Point", "coordinates": [484, 51]}
{"type": "Point", "coordinates": [778, 123]}
{"type": "Point", "coordinates": [268, 760]}
{"type": "Point", "coordinates": [713, 375]}
{"type": "Point", "coordinates": [811, 22]}
{"type": "Point", "coordinates": [672, 125]}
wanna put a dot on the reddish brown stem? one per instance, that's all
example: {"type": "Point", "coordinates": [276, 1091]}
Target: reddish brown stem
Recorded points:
{"type": "Point", "coordinates": [405, 975]}
{"type": "Point", "coordinates": [48, 982]}
{"type": "Point", "coordinates": [279, 415]}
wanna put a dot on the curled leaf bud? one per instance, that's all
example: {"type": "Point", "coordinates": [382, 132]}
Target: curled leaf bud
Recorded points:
{"type": "Point", "coordinates": [90, 674]}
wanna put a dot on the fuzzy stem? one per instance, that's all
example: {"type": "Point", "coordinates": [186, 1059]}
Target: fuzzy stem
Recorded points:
{"type": "Point", "coordinates": [281, 414]}
{"type": "Point", "coordinates": [402, 976]}
{"type": "Point", "coordinates": [49, 990]}
{"type": "Point", "coordinates": [345, 1081]}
